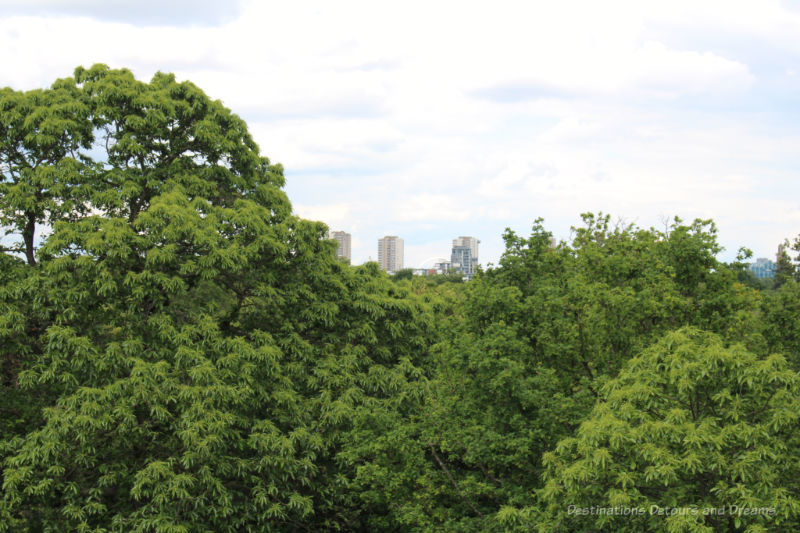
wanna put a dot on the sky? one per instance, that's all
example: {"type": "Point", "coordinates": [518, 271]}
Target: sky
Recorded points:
{"type": "Point", "coordinates": [433, 120]}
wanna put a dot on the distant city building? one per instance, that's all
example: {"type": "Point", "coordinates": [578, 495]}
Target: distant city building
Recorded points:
{"type": "Point", "coordinates": [343, 250]}
{"type": "Point", "coordinates": [763, 268]}
{"type": "Point", "coordinates": [464, 257]}
{"type": "Point", "coordinates": [441, 266]}
{"type": "Point", "coordinates": [390, 253]}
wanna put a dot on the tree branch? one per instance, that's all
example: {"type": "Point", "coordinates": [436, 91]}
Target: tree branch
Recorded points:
{"type": "Point", "coordinates": [452, 479]}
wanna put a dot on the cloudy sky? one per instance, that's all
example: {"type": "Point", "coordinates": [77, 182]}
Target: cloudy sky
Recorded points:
{"type": "Point", "coordinates": [432, 120]}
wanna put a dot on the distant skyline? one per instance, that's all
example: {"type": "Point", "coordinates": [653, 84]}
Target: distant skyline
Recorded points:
{"type": "Point", "coordinates": [432, 120]}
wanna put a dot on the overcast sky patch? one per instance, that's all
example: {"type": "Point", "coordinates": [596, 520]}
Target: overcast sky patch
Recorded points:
{"type": "Point", "coordinates": [141, 12]}
{"type": "Point", "coordinates": [520, 91]}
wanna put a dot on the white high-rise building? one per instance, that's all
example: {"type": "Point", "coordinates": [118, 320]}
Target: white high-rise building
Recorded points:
{"type": "Point", "coordinates": [344, 243]}
{"type": "Point", "coordinates": [390, 253]}
{"type": "Point", "coordinates": [464, 257]}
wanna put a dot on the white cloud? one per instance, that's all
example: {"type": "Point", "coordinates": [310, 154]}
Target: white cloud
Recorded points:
{"type": "Point", "coordinates": [430, 207]}
{"type": "Point", "coordinates": [671, 72]}
{"type": "Point", "coordinates": [334, 215]}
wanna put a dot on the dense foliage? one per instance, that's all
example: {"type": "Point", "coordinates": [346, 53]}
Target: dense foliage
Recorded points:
{"type": "Point", "coordinates": [180, 353]}
{"type": "Point", "coordinates": [689, 424]}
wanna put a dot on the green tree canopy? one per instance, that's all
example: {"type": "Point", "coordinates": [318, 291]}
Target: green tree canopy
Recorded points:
{"type": "Point", "coordinates": [43, 136]}
{"type": "Point", "coordinates": [526, 350]}
{"type": "Point", "coordinates": [689, 424]}
{"type": "Point", "coordinates": [199, 360]}
{"type": "Point", "coordinates": [181, 353]}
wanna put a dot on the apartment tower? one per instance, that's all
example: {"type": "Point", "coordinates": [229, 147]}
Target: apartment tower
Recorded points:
{"type": "Point", "coordinates": [390, 253]}
{"type": "Point", "coordinates": [464, 257]}
{"type": "Point", "coordinates": [343, 250]}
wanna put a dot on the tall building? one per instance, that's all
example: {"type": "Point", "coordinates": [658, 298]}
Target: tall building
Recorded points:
{"type": "Point", "coordinates": [464, 257]}
{"type": "Point", "coordinates": [344, 244]}
{"type": "Point", "coordinates": [390, 253]}
{"type": "Point", "coordinates": [763, 268]}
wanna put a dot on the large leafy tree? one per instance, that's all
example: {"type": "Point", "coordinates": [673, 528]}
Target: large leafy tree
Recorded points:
{"type": "Point", "coordinates": [699, 436]}
{"type": "Point", "coordinates": [204, 359]}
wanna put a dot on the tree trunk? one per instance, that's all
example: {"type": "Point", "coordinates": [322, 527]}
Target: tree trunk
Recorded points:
{"type": "Point", "coordinates": [27, 236]}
